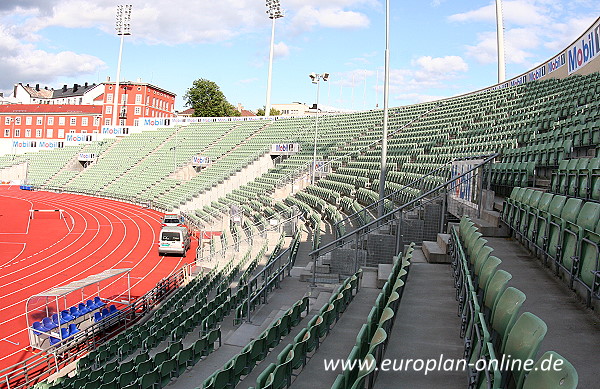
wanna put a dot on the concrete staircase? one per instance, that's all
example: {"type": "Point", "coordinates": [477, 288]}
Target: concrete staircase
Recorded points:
{"type": "Point", "coordinates": [437, 252]}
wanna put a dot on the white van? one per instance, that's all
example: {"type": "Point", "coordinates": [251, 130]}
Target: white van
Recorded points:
{"type": "Point", "coordinates": [174, 240]}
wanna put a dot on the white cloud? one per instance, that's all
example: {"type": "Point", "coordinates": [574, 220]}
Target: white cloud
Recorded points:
{"type": "Point", "coordinates": [309, 17]}
{"type": "Point", "coordinates": [520, 12]}
{"type": "Point", "coordinates": [281, 50]}
{"type": "Point", "coordinates": [23, 62]}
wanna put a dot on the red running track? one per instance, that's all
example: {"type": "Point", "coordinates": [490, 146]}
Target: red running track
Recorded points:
{"type": "Point", "coordinates": [46, 252]}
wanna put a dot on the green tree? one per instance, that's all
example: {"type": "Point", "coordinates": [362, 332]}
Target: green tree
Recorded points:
{"type": "Point", "coordinates": [261, 112]}
{"type": "Point", "coordinates": [207, 100]}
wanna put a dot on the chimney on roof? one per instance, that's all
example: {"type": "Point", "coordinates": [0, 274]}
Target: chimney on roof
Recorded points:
{"type": "Point", "coordinates": [46, 87]}
{"type": "Point", "coordinates": [64, 88]}
{"type": "Point", "coordinates": [75, 87]}
{"type": "Point", "coordinates": [37, 87]}
{"type": "Point", "coordinates": [27, 84]}
{"type": "Point", "coordinates": [86, 85]}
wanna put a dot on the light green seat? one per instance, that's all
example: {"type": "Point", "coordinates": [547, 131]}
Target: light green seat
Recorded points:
{"type": "Point", "coordinates": [523, 342]}
{"type": "Point", "coordinates": [505, 313]}
{"type": "Point", "coordinates": [540, 377]}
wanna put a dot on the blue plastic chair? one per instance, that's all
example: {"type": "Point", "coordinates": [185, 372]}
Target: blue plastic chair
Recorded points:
{"type": "Point", "coordinates": [90, 304]}
{"type": "Point", "coordinates": [48, 324]}
{"type": "Point", "coordinates": [73, 329]}
{"type": "Point", "coordinates": [37, 327]}
{"type": "Point", "coordinates": [112, 309]}
{"type": "Point", "coordinates": [74, 312]}
{"type": "Point", "coordinates": [64, 333]}
{"type": "Point", "coordinates": [54, 340]}
{"type": "Point", "coordinates": [98, 303]}
{"type": "Point", "coordinates": [97, 316]}
{"type": "Point", "coordinates": [56, 320]}
{"type": "Point", "coordinates": [83, 309]}
{"type": "Point", "coordinates": [105, 313]}
{"type": "Point", "coordinates": [66, 316]}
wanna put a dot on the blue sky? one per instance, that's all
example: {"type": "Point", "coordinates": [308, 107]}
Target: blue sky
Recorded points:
{"type": "Point", "coordinates": [439, 48]}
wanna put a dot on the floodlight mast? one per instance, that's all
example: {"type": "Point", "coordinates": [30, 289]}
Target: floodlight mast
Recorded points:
{"type": "Point", "coordinates": [274, 12]}
{"type": "Point", "coordinates": [316, 79]}
{"type": "Point", "coordinates": [386, 95]}
{"type": "Point", "coordinates": [500, 37]}
{"type": "Point", "coordinates": [123, 28]}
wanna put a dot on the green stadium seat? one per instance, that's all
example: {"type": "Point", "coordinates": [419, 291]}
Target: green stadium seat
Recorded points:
{"type": "Point", "coordinates": [542, 377]}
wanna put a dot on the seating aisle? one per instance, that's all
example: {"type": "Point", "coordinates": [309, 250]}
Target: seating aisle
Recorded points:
{"type": "Point", "coordinates": [427, 327]}
{"type": "Point", "coordinates": [573, 330]}
{"type": "Point", "coordinates": [340, 341]}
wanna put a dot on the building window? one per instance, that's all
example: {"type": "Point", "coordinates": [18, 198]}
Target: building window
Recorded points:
{"type": "Point", "coordinates": [7, 132]}
{"type": "Point", "coordinates": [18, 121]}
{"type": "Point", "coordinates": [122, 122]}
{"type": "Point", "coordinates": [61, 121]}
{"type": "Point", "coordinates": [73, 121]}
{"type": "Point", "coordinates": [84, 121]}
{"type": "Point", "coordinates": [124, 98]}
{"type": "Point", "coordinates": [61, 133]}
{"type": "Point", "coordinates": [83, 132]}
{"type": "Point", "coordinates": [49, 132]}
{"type": "Point", "coordinates": [109, 97]}
{"type": "Point", "coordinates": [108, 109]}
{"type": "Point", "coordinates": [107, 122]}
{"type": "Point", "coordinates": [96, 120]}
{"type": "Point", "coordinates": [138, 111]}
{"type": "Point", "coordinates": [50, 121]}
{"type": "Point", "coordinates": [138, 99]}
{"type": "Point", "coordinates": [136, 122]}
{"type": "Point", "coordinates": [28, 133]}
{"type": "Point", "coordinates": [139, 88]}
{"type": "Point", "coordinates": [7, 120]}
{"type": "Point", "coordinates": [39, 121]}
{"type": "Point", "coordinates": [28, 120]}
{"type": "Point", "coordinates": [17, 132]}
{"type": "Point", "coordinates": [95, 131]}
{"type": "Point", "coordinates": [147, 110]}
{"type": "Point", "coordinates": [71, 131]}
{"type": "Point", "coordinates": [38, 133]}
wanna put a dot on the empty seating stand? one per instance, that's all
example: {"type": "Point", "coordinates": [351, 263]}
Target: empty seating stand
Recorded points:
{"type": "Point", "coordinates": [492, 326]}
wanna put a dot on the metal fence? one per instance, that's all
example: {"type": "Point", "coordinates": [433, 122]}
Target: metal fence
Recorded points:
{"type": "Point", "coordinates": [379, 240]}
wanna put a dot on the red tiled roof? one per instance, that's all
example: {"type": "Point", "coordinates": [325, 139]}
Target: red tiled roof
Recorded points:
{"type": "Point", "coordinates": [21, 109]}
{"type": "Point", "coordinates": [245, 112]}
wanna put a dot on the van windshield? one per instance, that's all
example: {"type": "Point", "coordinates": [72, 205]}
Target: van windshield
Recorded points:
{"type": "Point", "coordinates": [170, 236]}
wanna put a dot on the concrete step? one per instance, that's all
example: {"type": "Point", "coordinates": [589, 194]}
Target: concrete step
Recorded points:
{"type": "Point", "coordinates": [443, 240]}
{"type": "Point", "coordinates": [499, 229]}
{"type": "Point", "coordinates": [434, 253]}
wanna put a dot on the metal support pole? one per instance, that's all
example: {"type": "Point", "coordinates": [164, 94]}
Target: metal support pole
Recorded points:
{"type": "Point", "coordinates": [268, 104]}
{"type": "Point", "coordinates": [314, 166]}
{"type": "Point", "coordinates": [386, 95]}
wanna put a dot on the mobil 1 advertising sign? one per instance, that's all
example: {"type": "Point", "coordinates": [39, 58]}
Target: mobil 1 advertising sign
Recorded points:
{"type": "Point", "coordinates": [585, 49]}
{"type": "Point", "coordinates": [285, 148]}
{"type": "Point", "coordinates": [200, 160]}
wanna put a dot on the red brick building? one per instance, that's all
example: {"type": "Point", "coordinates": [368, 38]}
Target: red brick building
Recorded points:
{"type": "Point", "coordinates": [48, 121]}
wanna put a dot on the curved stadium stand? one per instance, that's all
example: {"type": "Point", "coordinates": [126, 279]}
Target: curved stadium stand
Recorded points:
{"type": "Point", "coordinates": [540, 288]}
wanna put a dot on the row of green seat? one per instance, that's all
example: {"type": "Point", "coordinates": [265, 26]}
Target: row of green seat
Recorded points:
{"type": "Point", "coordinates": [563, 231]}
{"type": "Point", "coordinates": [372, 339]}
{"type": "Point", "coordinates": [577, 177]}
{"type": "Point", "coordinates": [244, 362]}
{"type": "Point", "coordinates": [294, 355]}
{"type": "Point", "coordinates": [490, 323]}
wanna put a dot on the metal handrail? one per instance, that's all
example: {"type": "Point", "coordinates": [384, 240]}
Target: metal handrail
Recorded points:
{"type": "Point", "coordinates": [377, 222]}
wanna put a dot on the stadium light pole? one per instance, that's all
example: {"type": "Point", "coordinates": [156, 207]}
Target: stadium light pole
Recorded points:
{"type": "Point", "coordinates": [316, 79]}
{"type": "Point", "coordinates": [500, 37]}
{"type": "Point", "coordinates": [386, 95]}
{"type": "Point", "coordinates": [274, 12]}
{"type": "Point", "coordinates": [123, 28]}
